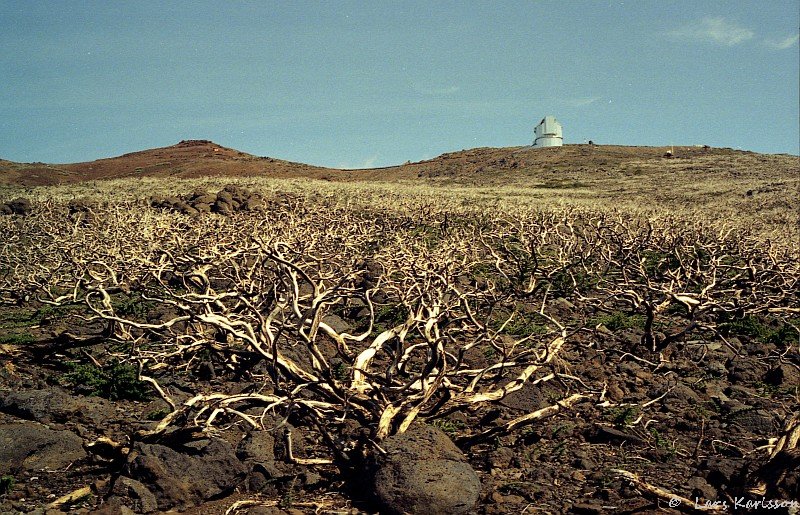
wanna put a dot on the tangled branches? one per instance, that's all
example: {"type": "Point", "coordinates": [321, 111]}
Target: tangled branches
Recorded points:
{"type": "Point", "coordinates": [336, 314]}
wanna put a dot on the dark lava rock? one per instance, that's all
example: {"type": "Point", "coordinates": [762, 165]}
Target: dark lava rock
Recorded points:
{"type": "Point", "coordinates": [204, 199]}
{"type": "Point", "coordinates": [699, 487]}
{"type": "Point", "coordinates": [224, 196]}
{"type": "Point", "coordinates": [55, 405]}
{"type": "Point", "coordinates": [253, 204]}
{"type": "Point", "coordinates": [723, 472]}
{"type": "Point", "coordinates": [222, 208]}
{"type": "Point", "coordinates": [606, 434]}
{"type": "Point", "coordinates": [182, 478]}
{"type": "Point", "coordinates": [424, 472]}
{"type": "Point", "coordinates": [780, 476]}
{"type": "Point", "coordinates": [33, 446]}
{"type": "Point", "coordinates": [755, 421]}
{"type": "Point", "coordinates": [257, 446]}
{"type": "Point", "coordinates": [744, 372]}
{"type": "Point", "coordinates": [783, 375]}
{"type": "Point", "coordinates": [20, 206]}
{"type": "Point", "coordinates": [587, 509]}
{"type": "Point", "coordinates": [137, 496]}
{"type": "Point", "coordinates": [257, 451]}
{"type": "Point", "coordinates": [501, 458]}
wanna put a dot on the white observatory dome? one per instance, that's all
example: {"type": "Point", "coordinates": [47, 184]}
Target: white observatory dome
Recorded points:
{"type": "Point", "coordinates": [548, 133]}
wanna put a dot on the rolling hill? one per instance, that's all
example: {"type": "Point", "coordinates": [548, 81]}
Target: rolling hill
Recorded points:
{"type": "Point", "coordinates": [479, 166]}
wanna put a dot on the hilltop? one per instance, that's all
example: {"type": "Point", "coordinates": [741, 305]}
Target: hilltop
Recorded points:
{"type": "Point", "coordinates": [187, 159]}
{"type": "Point", "coordinates": [480, 166]}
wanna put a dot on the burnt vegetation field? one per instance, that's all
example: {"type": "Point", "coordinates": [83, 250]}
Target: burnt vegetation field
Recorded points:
{"type": "Point", "coordinates": [588, 341]}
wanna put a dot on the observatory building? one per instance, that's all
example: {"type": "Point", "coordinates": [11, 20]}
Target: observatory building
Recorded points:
{"type": "Point", "coordinates": [548, 133]}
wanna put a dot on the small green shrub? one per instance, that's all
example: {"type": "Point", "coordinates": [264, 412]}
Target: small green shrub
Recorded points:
{"type": "Point", "coordinates": [116, 381]}
{"type": "Point", "coordinates": [784, 335]}
{"type": "Point", "coordinates": [340, 371]}
{"type": "Point", "coordinates": [17, 339]}
{"type": "Point", "coordinates": [619, 320]}
{"type": "Point", "coordinates": [132, 307]}
{"type": "Point", "coordinates": [388, 316]}
{"type": "Point", "coordinates": [520, 325]}
{"type": "Point", "coordinates": [7, 483]}
{"type": "Point", "coordinates": [623, 416]}
{"type": "Point", "coordinates": [23, 318]}
{"type": "Point", "coordinates": [753, 327]}
{"type": "Point", "coordinates": [564, 283]}
{"type": "Point", "coordinates": [449, 427]}
{"type": "Point", "coordinates": [654, 262]}
{"type": "Point", "coordinates": [664, 448]}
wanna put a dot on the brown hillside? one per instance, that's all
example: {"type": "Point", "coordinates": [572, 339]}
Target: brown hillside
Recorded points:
{"type": "Point", "coordinates": [187, 159]}
{"type": "Point", "coordinates": [570, 165]}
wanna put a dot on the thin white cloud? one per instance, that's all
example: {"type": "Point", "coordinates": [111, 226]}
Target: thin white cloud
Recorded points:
{"type": "Point", "coordinates": [782, 44]}
{"type": "Point", "coordinates": [579, 101]}
{"type": "Point", "coordinates": [435, 91]}
{"type": "Point", "coordinates": [367, 163]}
{"type": "Point", "coordinates": [716, 30]}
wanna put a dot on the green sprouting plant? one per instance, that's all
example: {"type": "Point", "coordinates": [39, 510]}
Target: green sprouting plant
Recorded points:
{"type": "Point", "coordinates": [752, 326]}
{"type": "Point", "coordinates": [619, 320]}
{"type": "Point", "coordinates": [18, 339]}
{"type": "Point", "coordinates": [563, 429]}
{"type": "Point", "coordinates": [656, 262]}
{"type": "Point", "coordinates": [388, 316]}
{"type": "Point", "coordinates": [664, 447]}
{"type": "Point", "coordinates": [560, 449]}
{"type": "Point", "coordinates": [448, 426]}
{"type": "Point", "coordinates": [116, 381]}
{"type": "Point", "coordinates": [623, 415]}
{"type": "Point", "coordinates": [340, 371]}
{"type": "Point", "coordinates": [520, 325]}
{"type": "Point", "coordinates": [7, 483]}
{"type": "Point", "coordinates": [565, 282]}
{"type": "Point", "coordinates": [157, 414]}
{"type": "Point", "coordinates": [287, 500]}
{"type": "Point", "coordinates": [132, 307]}
{"type": "Point", "coordinates": [745, 326]}
{"type": "Point", "coordinates": [48, 313]}
{"type": "Point", "coordinates": [15, 318]}
{"type": "Point", "coordinates": [784, 335]}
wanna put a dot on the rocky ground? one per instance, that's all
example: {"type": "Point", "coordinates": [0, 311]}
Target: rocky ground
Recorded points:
{"type": "Point", "coordinates": [676, 415]}
{"type": "Point", "coordinates": [691, 424]}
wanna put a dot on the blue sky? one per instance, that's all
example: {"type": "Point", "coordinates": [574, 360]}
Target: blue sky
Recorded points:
{"type": "Point", "coordinates": [372, 83]}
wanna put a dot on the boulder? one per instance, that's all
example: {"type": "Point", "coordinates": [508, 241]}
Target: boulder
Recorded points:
{"type": "Point", "coordinates": [20, 206]}
{"type": "Point", "coordinates": [783, 374]}
{"type": "Point", "coordinates": [222, 208]}
{"type": "Point", "coordinates": [424, 472]}
{"type": "Point", "coordinates": [183, 477]}
{"type": "Point", "coordinates": [34, 446]}
{"type": "Point", "coordinates": [136, 495]}
{"type": "Point", "coordinates": [757, 421]}
{"type": "Point", "coordinates": [224, 196]}
{"type": "Point", "coordinates": [204, 199]}
{"type": "Point", "coordinates": [253, 204]}
{"type": "Point", "coordinates": [53, 405]}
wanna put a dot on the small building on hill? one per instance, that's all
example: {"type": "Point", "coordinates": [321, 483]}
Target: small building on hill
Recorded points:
{"type": "Point", "coordinates": [548, 133]}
